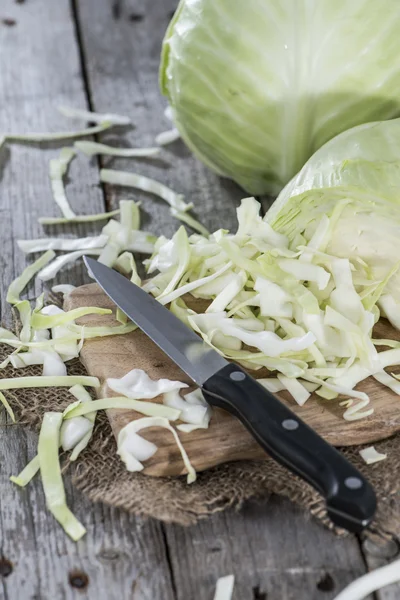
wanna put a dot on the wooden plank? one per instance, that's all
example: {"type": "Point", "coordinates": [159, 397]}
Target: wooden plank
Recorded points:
{"type": "Point", "coordinates": [47, 76]}
{"type": "Point", "coordinates": [121, 556]}
{"type": "Point", "coordinates": [271, 549]}
{"type": "Point", "coordinates": [121, 48]}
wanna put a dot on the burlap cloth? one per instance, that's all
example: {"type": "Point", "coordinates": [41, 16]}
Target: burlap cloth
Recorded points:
{"type": "Point", "coordinates": [101, 475]}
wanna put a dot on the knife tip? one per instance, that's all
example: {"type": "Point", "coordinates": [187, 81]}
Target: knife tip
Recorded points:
{"type": "Point", "coordinates": [89, 262]}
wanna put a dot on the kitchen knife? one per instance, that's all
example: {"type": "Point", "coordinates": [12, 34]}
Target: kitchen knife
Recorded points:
{"type": "Point", "coordinates": [350, 499]}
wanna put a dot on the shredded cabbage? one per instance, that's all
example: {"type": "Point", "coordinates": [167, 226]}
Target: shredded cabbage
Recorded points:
{"type": "Point", "coordinates": [62, 341]}
{"type": "Point", "coordinates": [132, 463]}
{"type": "Point", "coordinates": [50, 471]}
{"type": "Point", "coordinates": [60, 135]}
{"type": "Point", "coordinates": [28, 473]}
{"type": "Point", "coordinates": [58, 168]}
{"type": "Point", "coordinates": [184, 216]}
{"type": "Point", "coordinates": [190, 412]}
{"type": "Point", "coordinates": [281, 303]}
{"type": "Point", "coordinates": [178, 206]}
{"type": "Point", "coordinates": [354, 411]}
{"type": "Point", "coordinates": [25, 315]}
{"type": "Point", "coordinates": [38, 382]}
{"type": "Point", "coordinates": [267, 342]}
{"type": "Point", "coordinates": [65, 244]}
{"type": "Point", "coordinates": [126, 263]}
{"type": "Point", "coordinates": [224, 588]}
{"type": "Point", "coordinates": [305, 272]}
{"type": "Point", "coordinates": [192, 285]}
{"type": "Point", "coordinates": [63, 288]}
{"type": "Point", "coordinates": [93, 117]}
{"type": "Point", "coordinates": [371, 456]}
{"type": "Point", "coordinates": [53, 365]}
{"type": "Point", "coordinates": [27, 274]}
{"type": "Point", "coordinates": [73, 333]}
{"type": "Point", "coordinates": [147, 185]}
{"type": "Point", "coordinates": [137, 384]}
{"type": "Point", "coordinates": [388, 380]}
{"type": "Point", "coordinates": [93, 148]}
{"type": "Point", "coordinates": [7, 406]}
{"type": "Point", "coordinates": [51, 270]}
{"type": "Point", "coordinates": [100, 331]}
{"type": "Point", "coordinates": [82, 396]}
{"type": "Point", "coordinates": [41, 320]}
{"type": "Point", "coordinates": [125, 235]}
{"type": "Point", "coordinates": [134, 449]}
{"type": "Point", "coordinates": [272, 384]}
{"type": "Point", "coordinates": [273, 299]}
{"type": "Point", "coordinates": [5, 334]}
{"type": "Point", "coordinates": [167, 137]}
{"type": "Point", "coordinates": [295, 388]}
{"type": "Point", "coordinates": [196, 398]}
{"type": "Point", "coordinates": [371, 582]}
{"type": "Point", "coordinates": [73, 431]}
{"type": "Point", "coordinates": [121, 317]}
{"type": "Point", "coordinates": [78, 218]}
{"type": "Point", "coordinates": [151, 409]}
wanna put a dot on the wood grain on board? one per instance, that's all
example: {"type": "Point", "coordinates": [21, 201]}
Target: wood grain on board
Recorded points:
{"type": "Point", "coordinates": [226, 439]}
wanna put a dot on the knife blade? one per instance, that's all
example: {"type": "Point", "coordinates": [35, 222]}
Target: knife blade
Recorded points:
{"type": "Point", "coordinates": [350, 499]}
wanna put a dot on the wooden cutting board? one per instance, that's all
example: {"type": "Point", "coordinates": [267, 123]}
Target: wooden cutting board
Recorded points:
{"type": "Point", "coordinates": [226, 439]}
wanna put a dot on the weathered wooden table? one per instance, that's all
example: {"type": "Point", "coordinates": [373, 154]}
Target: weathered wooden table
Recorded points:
{"type": "Point", "coordinates": [104, 55]}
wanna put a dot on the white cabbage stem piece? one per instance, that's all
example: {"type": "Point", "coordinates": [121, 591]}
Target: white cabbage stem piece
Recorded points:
{"type": "Point", "coordinates": [371, 456]}
{"type": "Point", "coordinates": [137, 384]}
{"type": "Point", "coordinates": [224, 588]}
{"type": "Point", "coordinates": [131, 446]}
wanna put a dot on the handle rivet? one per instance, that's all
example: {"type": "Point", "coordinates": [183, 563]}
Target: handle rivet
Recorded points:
{"type": "Point", "coordinates": [237, 376]}
{"type": "Point", "coordinates": [353, 483]}
{"type": "Point", "coordinates": [290, 424]}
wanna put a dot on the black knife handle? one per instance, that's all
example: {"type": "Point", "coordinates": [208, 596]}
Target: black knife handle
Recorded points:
{"type": "Point", "coordinates": [350, 499]}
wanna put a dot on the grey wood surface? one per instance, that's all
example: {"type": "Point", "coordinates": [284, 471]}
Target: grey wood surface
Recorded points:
{"type": "Point", "coordinates": [272, 549]}
{"type": "Point", "coordinates": [121, 556]}
{"type": "Point", "coordinates": [104, 54]}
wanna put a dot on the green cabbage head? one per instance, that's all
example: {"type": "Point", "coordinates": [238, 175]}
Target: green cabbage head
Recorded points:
{"type": "Point", "coordinates": [257, 86]}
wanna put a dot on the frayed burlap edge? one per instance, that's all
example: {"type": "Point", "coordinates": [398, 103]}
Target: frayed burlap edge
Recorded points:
{"type": "Point", "coordinates": [100, 474]}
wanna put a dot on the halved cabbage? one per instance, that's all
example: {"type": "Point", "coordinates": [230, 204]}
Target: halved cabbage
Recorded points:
{"type": "Point", "coordinates": [353, 180]}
